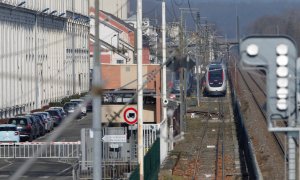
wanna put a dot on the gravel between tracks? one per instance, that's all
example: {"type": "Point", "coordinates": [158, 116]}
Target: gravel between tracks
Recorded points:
{"type": "Point", "coordinates": [195, 156]}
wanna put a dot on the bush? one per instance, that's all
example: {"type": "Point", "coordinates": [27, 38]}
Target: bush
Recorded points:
{"type": "Point", "coordinates": [66, 99]}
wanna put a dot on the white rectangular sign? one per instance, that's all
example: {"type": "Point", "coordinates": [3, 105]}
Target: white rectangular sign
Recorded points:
{"type": "Point", "coordinates": [115, 138]}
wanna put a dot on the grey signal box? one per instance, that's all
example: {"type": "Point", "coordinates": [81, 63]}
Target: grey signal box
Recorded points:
{"type": "Point", "coordinates": [277, 56]}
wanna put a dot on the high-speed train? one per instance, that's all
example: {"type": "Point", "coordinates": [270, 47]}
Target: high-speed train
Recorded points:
{"type": "Point", "coordinates": [215, 79]}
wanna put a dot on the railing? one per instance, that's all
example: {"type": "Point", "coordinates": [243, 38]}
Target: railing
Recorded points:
{"type": "Point", "coordinates": [30, 149]}
{"type": "Point", "coordinates": [110, 170]}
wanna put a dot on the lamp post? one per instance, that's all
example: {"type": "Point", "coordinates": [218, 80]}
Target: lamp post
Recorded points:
{"type": "Point", "coordinates": [111, 39]}
{"type": "Point", "coordinates": [37, 78]}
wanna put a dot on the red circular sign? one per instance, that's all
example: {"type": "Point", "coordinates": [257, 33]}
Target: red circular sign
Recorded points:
{"type": "Point", "coordinates": [130, 115]}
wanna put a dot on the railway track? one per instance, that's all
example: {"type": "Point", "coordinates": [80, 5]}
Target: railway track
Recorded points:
{"type": "Point", "coordinates": [277, 138]}
{"type": "Point", "coordinates": [268, 148]}
{"type": "Point", "coordinates": [212, 137]}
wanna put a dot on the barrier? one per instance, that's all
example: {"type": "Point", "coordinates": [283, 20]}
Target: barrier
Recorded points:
{"type": "Point", "coordinates": [30, 149]}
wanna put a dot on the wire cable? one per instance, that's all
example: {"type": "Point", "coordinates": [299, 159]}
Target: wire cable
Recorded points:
{"type": "Point", "coordinates": [28, 163]}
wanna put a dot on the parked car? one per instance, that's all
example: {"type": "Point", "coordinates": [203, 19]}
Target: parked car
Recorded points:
{"type": "Point", "coordinates": [55, 115]}
{"type": "Point", "coordinates": [41, 125]}
{"type": "Point", "coordinates": [24, 126]}
{"type": "Point", "coordinates": [34, 126]}
{"type": "Point", "coordinates": [61, 109]}
{"type": "Point", "coordinates": [80, 104]}
{"type": "Point", "coordinates": [70, 107]}
{"type": "Point", "coordinates": [48, 122]}
{"type": "Point", "coordinates": [9, 133]}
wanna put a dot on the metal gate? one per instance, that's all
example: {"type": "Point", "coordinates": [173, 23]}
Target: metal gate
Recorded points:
{"type": "Point", "coordinates": [31, 149]}
{"type": "Point", "coordinates": [118, 158]}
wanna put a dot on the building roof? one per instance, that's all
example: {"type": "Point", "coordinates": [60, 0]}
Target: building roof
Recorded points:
{"type": "Point", "coordinates": [120, 21]}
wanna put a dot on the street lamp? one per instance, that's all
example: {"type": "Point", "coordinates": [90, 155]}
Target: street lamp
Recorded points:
{"type": "Point", "coordinates": [61, 14]}
{"type": "Point", "coordinates": [53, 12]}
{"type": "Point", "coordinates": [43, 11]}
{"type": "Point", "coordinates": [19, 5]}
{"type": "Point", "coordinates": [112, 38]}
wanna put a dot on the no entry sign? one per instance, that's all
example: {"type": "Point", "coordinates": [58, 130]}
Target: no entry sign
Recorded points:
{"type": "Point", "coordinates": [130, 115]}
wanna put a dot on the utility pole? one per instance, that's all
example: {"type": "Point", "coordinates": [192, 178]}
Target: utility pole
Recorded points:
{"type": "Point", "coordinates": [96, 89]}
{"type": "Point", "coordinates": [197, 60]}
{"type": "Point", "coordinates": [140, 88]}
{"type": "Point", "coordinates": [164, 72]}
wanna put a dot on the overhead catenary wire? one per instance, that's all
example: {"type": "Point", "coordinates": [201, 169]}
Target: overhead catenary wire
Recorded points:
{"type": "Point", "coordinates": [65, 124]}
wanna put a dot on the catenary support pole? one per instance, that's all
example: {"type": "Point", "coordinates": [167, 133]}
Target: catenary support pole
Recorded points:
{"type": "Point", "coordinates": [164, 71]}
{"type": "Point", "coordinates": [140, 89]}
{"type": "Point", "coordinates": [96, 88]}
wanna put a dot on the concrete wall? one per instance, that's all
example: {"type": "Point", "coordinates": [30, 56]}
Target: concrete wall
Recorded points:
{"type": "Point", "coordinates": [116, 76]}
{"type": "Point", "coordinates": [124, 76]}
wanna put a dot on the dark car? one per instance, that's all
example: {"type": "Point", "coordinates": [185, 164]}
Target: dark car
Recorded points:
{"type": "Point", "coordinates": [61, 109]}
{"type": "Point", "coordinates": [56, 116]}
{"type": "Point", "coordinates": [40, 122]}
{"type": "Point", "coordinates": [35, 125]}
{"type": "Point", "coordinates": [47, 120]}
{"type": "Point", "coordinates": [24, 126]}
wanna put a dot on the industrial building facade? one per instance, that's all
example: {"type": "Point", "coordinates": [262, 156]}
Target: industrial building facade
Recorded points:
{"type": "Point", "coordinates": [44, 52]}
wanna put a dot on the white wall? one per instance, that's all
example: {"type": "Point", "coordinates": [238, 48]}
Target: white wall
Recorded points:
{"type": "Point", "coordinates": [29, 47]}
{"type": "Point", "coordinates": [61, 6]}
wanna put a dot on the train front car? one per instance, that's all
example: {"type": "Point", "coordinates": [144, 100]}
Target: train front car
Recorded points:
{"type": "Point", "coordinates": [215, 80]}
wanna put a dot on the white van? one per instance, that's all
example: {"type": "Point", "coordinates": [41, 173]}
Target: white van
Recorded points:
{"type": "Point", "coordinates": [80, 102]}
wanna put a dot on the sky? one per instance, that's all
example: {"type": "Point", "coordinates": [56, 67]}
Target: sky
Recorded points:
{"type": "Point", "coordinates": [222, 13]}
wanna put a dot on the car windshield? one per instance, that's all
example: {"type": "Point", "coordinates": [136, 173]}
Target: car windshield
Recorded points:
{"type": "Point", "coordinates": [18, 121]}
{"type": "Point", "coordinates": [39, 118]}
{"type": "Point", "coordinates": [53, 113]}
{"type": "Point", "coordinates": [8, 128]}
{"type": "Point", "coordinates": [70, 105]}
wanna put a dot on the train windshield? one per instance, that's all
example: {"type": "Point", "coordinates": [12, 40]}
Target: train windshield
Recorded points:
{"type": "Point", "coordinates": [215, 76]}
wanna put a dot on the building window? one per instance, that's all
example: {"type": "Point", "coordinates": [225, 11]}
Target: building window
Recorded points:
{"type": "Point", "coordinates": [119, 61]}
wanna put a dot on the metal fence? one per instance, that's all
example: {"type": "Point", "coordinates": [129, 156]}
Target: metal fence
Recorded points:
{"type": "Point", "coordinates": [118, 158]}
{"type": "Point", "coordinates": [110, 170]}
{"type": "Point", "coordinates": [151, 163]}
{"type": "Point", "coordinates": [30, 149]}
